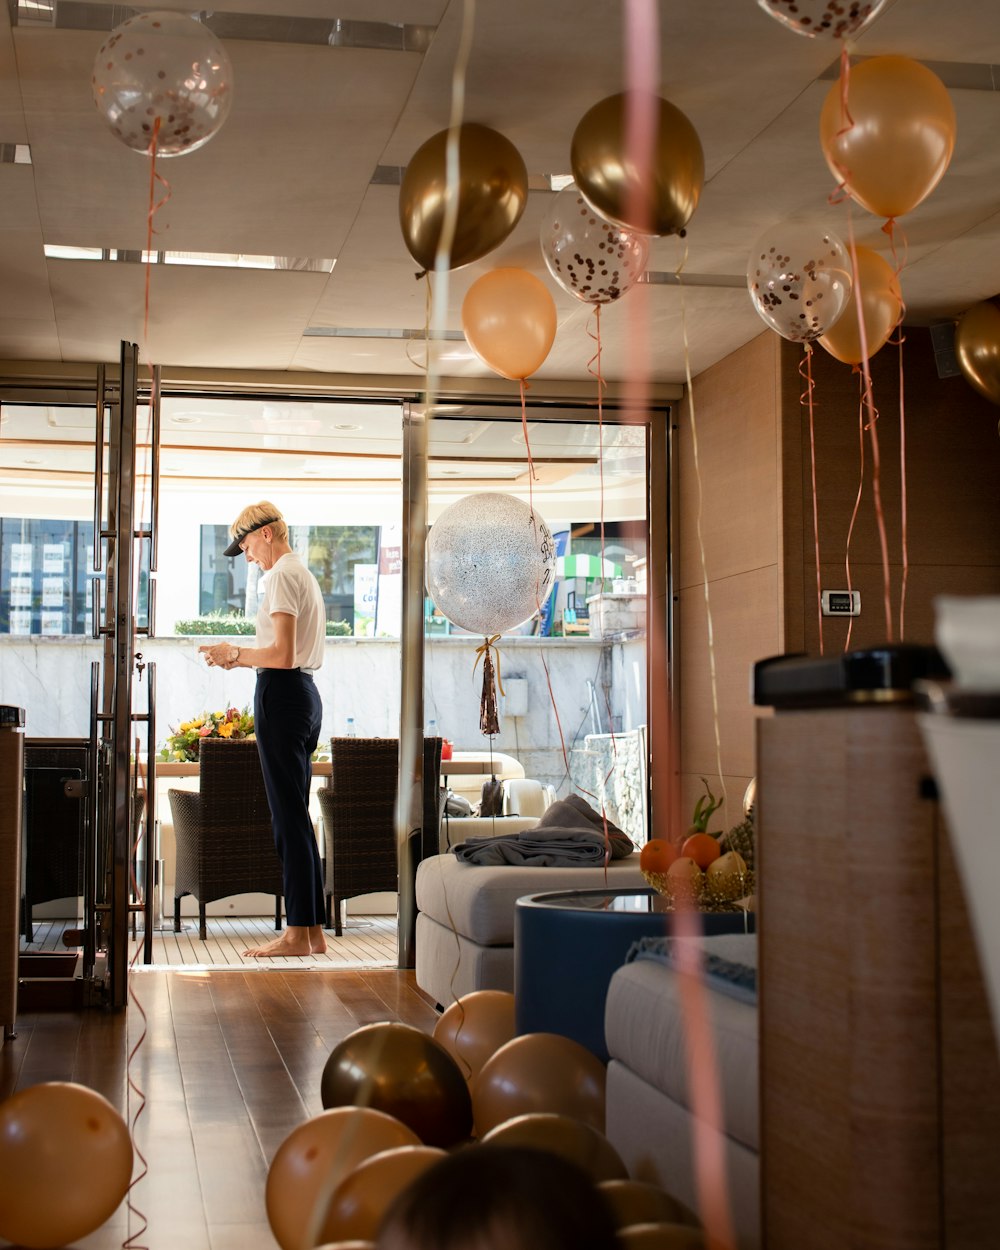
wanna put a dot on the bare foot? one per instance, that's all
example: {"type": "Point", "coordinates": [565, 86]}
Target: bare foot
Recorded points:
{"type": "Point", "coordinates": [296, 940]}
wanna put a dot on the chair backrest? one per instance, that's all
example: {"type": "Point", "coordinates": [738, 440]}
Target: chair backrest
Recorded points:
{"type": "Point", "coordinates": [359, 811]}
{"type": "Point", "coordinates": [232, 784]}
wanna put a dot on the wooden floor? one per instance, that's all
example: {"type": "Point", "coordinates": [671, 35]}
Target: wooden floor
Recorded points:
{"type": "Point", "coordinates": [367, 942]}
{"type": "Point", "coordinates": [230, 1064]}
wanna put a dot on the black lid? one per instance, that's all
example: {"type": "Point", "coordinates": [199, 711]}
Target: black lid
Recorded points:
{"type": "Point", "coordinates": [885, 673]}
{"type": "Point", "coordinates": [10, 715]}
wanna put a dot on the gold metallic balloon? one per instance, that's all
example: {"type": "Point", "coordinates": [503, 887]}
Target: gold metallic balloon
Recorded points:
{"type": "Point", "coordinates": [638, 1202]}
{"type": "Point", "coordinates": [397, 1069]}
{"type": "Point", "coordinates": [492, 193]}
{"type": "Point", "coordinates": [562, 1135]}
{"type": "Point", "coordinates": [894, 148]}
{"type": "Point", "coordinates": [881, 304]}
{"type": "Point", "coordinates": [977, 346]}
{"type": "Point", "coordinates": [657, 199]}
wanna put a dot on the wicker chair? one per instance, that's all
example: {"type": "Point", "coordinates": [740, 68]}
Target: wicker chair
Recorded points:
{"type": "Point", "coordinates": [224, 840]}
{"type": "Point", "coordinates": [359, 818]}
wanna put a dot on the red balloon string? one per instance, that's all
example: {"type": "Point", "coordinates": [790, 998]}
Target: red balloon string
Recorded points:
{"type": "Point", "coordinates": [154, 207]}
{"type": "Point", "coordinates": [840, 191]}
{"type": "Point", "coordinates": [857, 501]}
{"type": "Point", "coordinates": [806, 400]}
{"type": "Point", "coordinates": [131, 1243]}
{"type": "Point", "coordinates": [904, 555]}
{"type": "Point", "coordinates": [868, 401]}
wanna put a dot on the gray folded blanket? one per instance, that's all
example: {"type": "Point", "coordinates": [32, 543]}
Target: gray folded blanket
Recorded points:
{"type": "Point", "coordinates": [569, 834]}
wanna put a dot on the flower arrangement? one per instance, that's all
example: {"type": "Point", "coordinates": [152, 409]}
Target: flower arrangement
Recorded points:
{"type": "Point", "coordinates": [184, 741]}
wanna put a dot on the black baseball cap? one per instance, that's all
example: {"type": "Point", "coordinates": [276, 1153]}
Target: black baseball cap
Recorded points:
{"type": "Point", "coordinates": [234, 547]}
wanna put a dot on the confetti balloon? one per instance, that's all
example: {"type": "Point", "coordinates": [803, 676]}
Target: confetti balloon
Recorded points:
{"type": "Point", "coordinates": [799, 279]}
{"type": "Point", "coordinates": [832, 19]}
{"type": "Point", "coordinates": [66, 1163]}
{"type": "Point", "coordinates": [490, 563]}
{"type": "Point", "coordinates": [165, 68]}
{"type": "Point", "coordinates": [591, 258]}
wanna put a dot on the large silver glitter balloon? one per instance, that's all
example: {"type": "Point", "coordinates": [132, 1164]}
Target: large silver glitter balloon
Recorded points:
{"type": "Point", "coordinates": [490, 563]}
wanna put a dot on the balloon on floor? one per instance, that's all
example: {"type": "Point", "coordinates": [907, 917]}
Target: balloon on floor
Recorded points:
{"type": "Point", "coordinates": [539, 1072]}
{"type": "Point", "coordinates": [66, 1163]}
{"type": "Point", "coordinates": [563, 1135]}
{"type": "Point", "coordinates": [362, 1198]}
{"type": "Point", "coordinates": [402, 1071]}
{"type": "Point", "coordinates": [475, 1027]}
{"type": "Point", "coordinates": [315, 1157]}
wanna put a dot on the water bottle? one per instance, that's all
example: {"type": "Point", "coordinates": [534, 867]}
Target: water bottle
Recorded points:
{"type": "Point", "coordinates": [432, 729]}
{"type": "Point", "coordinates": [351, 731]}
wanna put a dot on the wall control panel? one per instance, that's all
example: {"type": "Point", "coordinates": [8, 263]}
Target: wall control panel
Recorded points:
{"type": "Point", "coordinates": [841, 602]}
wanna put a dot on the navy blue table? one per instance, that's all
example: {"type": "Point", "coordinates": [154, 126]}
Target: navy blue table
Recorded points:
{"type": "Point", "coordinates": [568, 944]}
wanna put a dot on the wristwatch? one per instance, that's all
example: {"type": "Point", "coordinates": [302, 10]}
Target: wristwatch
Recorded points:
{"type": "Point", "coordinates": [236, 655]}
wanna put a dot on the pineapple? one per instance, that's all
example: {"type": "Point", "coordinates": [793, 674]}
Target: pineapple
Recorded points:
{"type": "Point", "coordinates": [741, 838]}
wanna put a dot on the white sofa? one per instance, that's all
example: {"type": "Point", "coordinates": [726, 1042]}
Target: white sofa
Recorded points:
{"type": "Point", "coordinates": [465, 916]}
{"type": "Point", "coordinates": [649, 1120]}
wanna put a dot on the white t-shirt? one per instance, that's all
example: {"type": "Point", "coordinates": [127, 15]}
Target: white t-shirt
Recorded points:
{"type": "Point", "coordinates": [290, 587]}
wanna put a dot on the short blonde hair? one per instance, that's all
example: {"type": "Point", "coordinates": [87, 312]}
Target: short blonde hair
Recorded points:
{"type": "Point", "coordinates": [257, 514]}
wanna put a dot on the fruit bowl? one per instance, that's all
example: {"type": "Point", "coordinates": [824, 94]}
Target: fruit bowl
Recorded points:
{"type": "Point", "coordinates": [702, 894]}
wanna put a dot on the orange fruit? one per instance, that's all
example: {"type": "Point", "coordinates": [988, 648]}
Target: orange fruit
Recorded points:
{"type": "Point", "coordinates": [657, 855]}
{"type": "Point", "coordinates": [702, 848]}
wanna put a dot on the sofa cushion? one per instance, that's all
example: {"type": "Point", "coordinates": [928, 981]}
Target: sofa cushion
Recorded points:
{"type": "Point", "coordinates": [478, 901]}
{"type": "Point", "coordinates": [644, 1030]}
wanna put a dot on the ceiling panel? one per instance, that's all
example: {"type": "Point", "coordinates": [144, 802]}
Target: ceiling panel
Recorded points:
{"type": "Point", "coordinates": [289, 175]}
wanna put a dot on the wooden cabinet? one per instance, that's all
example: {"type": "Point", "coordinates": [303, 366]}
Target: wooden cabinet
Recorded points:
{"type": "Point", "coordinates": [880, 1079]}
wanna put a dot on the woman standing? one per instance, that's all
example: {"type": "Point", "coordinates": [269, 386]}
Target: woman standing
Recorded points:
{"type": "Point", "coordinates": [287, 711]}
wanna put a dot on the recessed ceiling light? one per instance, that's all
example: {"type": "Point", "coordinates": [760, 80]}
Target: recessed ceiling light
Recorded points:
{"type": "Point", "coordinates": [181, 419]}
{"type": "Point", "coordinates": [30, 460]}
{"type": "Point", "coordinates": [347, 428]}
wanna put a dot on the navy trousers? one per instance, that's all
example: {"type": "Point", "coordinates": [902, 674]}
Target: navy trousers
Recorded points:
{"type": "Point", "coordinates": [287, 712]}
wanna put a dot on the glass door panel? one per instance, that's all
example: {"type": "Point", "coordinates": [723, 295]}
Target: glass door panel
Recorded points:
{"type": "Point", "coordinates": [48, 589]}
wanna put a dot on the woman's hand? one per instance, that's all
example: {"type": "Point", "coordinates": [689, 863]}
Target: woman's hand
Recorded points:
{"type": "Point", "coordinates": [220, 655]}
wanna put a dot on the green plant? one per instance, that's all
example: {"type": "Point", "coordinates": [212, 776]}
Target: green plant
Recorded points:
{"type": "Point", "coordinates": [703, 809]}
{"type": "Point", "coordinates": [183, 742]}
{"type": "Point", "coordinates": [340, 629]}
{"type": "Point", "coordinates": [214, 624]}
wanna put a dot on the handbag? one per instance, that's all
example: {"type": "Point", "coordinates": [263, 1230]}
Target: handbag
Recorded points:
{"type": "Point", "coordinates": [491, 803]}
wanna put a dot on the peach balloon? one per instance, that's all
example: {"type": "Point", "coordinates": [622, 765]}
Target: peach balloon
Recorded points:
{"type": "Point", "coordinates": [977, 346]}
{"type": "Point", "coordinates": [902, 137]}
{"type": "Point", "coordinates": [361, 1199]}
{"type": "Point", "coordinates": [561, 1135]}
{"type": "Point", "coordinates": [509, 319]}
{"type": "Point", "coordinates": [475, 1027]}
{"type": "Point", "coordinates": [881, 304]}
{"type": "Point", "coordinates": [661, 1237]}
{"type": "Point", "coordinates": [639, 1202]}
{"type": "Point", "coordinates": [539, 1072]}
{"type": "Point", "coordinates": [65, 1160]}
{"type": "Point", "coordinates": [315, 1157]}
